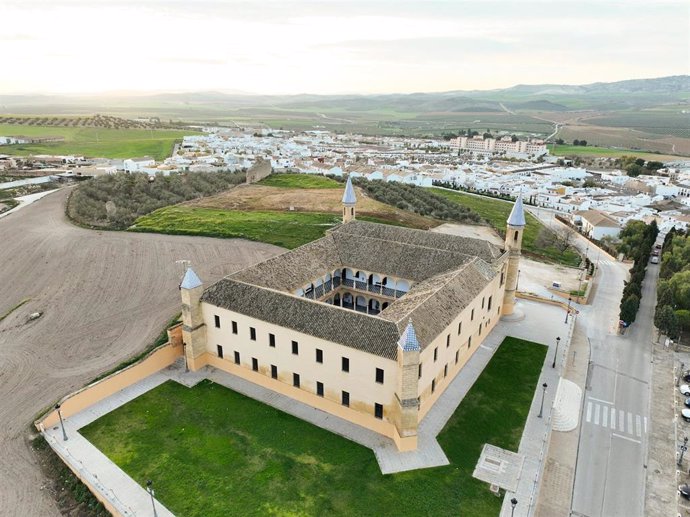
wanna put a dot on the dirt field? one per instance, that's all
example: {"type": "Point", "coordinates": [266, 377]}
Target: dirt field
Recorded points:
{"type": "Point", "coordinates": [104, 295]}
{"type": "Point", "coordinates": [260, 197]}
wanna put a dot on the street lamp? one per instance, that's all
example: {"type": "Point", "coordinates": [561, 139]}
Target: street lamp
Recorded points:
{"type": "Point", "coordinates": [543, 394]}
{"type": "Point", "coordinates": [683, 448]}
{"type": "Point", "coordinates": [513, 504]}
{"type": "Point", "coordinates": [149, 489]}
{"type": "Point", "coordinates": [62, 424]}
{"type": "Point", "coordinates": [558, 341]}
{"type": "Point", "coordinates": [570, 298]}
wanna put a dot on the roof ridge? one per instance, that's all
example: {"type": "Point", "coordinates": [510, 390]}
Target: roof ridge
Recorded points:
{"type": "Point", "coordinates": [413, 244]}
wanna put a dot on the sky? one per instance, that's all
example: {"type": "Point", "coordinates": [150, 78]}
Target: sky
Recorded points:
{"type": "Point", "coordinates": [329, 47]}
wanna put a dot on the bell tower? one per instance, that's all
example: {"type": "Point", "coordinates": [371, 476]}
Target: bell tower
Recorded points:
{"type": "Point", "coordinates": [193, 327]}
{"type": "Point", "coordinates": [513, 245]}
{"type": "Point", "coordinates": [349, 200]}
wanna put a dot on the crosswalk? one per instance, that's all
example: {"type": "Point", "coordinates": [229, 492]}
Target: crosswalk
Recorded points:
{"type": "Point", "coordinates": [625, 424]}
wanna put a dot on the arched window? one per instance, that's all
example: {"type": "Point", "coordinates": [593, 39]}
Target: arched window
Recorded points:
{"type": "Point", "coordinates": [352, 211]}
{"type": "Point", "coordinates": [516, 236]}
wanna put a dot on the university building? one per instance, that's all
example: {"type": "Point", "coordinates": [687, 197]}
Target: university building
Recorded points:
{"type": "Point", "coordinates": [370, 323]}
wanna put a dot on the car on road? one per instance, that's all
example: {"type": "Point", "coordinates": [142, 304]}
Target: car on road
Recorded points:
{"type": "Point", "coordinates": [687, 402]}
{"type": "Point", "coordinates": [655, 260]}
{"type": "Point", "coordinates": [684, 491]}
{"type": "Point", "coordinates": [685, 390]}
{"type": "Point", "coordinates": [685, 413]}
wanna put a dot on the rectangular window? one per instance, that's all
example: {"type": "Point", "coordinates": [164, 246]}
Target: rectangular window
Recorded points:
{"type": "Point", "coordinates": [319, 388]}
{"type": "Point", "coordinates": [216, 320]}
{"type": "Point", "coordinates": [274, 371]}
{"type": "Point", "coordinates": [469, 342]}
{"type": "Point", "coordinates": [272, 340]}
{"type": "Point", "coordinates": [448, 341]}
{"type": "Point", "coordinates": [346, 399]}
{"type": "Point", "coordinates": [345, 364]}
{"type": "Point", "coordinates": [502, 277]}
{"type": "Point", "coordinates": [319, 355]}
{"type": "Point", "coordinates": [459, 328]}
{"type": "Point", "coordinates": [252, 333]}
{"type": "Point", "coordinates": [433, 385]}
{"type": "Point", "coordinates": [237, 358]}
{"type": "Point", "coordinates": [379, 375]}
{"type": "Point", "coordinates": [445, 371]}
{"type": "Point", "coordinates": [219, 349]}
{"type": "Point", "coordinates": [295, 347]}
{"type": "Point", "coordinates": [488, 307]}
{"type": "Point", "coordinates": [295, 380]}
{"type": "Point", "coordinates": [472, 315]}
{"type": "Point", "coordinates": [234, 327]}
{"type": "Point", "coordinates": [378, 410]}
{"type": "Point", "coordinates": [420, 371]}
{"type": "Point", "coordinates": [483, 300]}
{"type": "Point", "coordinates": [457, 356]}
{"type": "Point", "coordinates": [480, 329]}
{"type": "Point", "coordinates": [435, 354]}
{"type": "Point", "coordinates": [255, 364]}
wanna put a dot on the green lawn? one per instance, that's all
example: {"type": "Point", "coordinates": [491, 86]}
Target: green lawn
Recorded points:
{"type": "Point", "coordinates": [213, 452]}
{"type": "Point", "coordinates": [307, 181]}
{"type": "Point", "coordinates": [496, 212]}
{"type": "Point", "coordinates": [94, 142]}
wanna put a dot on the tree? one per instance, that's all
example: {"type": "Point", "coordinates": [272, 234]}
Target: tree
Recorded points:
{"type": "Point", "coordinates": [667, 322]}
{"type": "Point", "coordinates": [560, 141]}
{"type": "Point", "coordinates": [683, 318]}
{"type": "Point", "coordinates": [583, 143]}
{"type": "Point", "coordinates": [576, 142]}
{"type": "Point", "coordinates": [589, 183]}
{"type": "Point", "coordinates": [629, 308]}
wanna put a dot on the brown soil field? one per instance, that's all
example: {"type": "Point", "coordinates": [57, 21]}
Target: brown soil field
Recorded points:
{"type": "Point", "coordinates": [261, 197]}
{"type": "Point", "coordinates": [104, 296]}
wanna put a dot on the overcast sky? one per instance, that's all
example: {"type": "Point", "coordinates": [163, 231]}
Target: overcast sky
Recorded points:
{"type": "Point", "coordinates": [274, 46]}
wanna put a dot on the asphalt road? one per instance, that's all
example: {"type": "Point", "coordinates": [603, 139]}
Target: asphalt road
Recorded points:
{"type": "Point", "coordinates": [104, 297]}
{"type": "Point", "coordinates": [610, 472]}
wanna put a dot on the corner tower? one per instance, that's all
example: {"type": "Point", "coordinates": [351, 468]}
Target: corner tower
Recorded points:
{"type": "Point", "coordinates": [513, 245]}
{"type": "Point", "coordinates": [407, 390]}
{"type": "Point", "coordinates": [349, 200]}
{"type": "Point", "coordinates": [193, 327]}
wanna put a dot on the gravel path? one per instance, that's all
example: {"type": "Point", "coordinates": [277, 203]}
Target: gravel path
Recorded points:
{"type": "Point", "coordinates": [104, 295]}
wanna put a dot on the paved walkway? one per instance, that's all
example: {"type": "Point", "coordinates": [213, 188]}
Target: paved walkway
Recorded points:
{"type": "Point", "coordinates": [543, 323]}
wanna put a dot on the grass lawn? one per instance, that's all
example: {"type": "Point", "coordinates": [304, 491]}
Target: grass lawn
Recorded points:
{"type": "Point", "coordinates": [496, 212]}
{"type": "Point", "coordinates": [308, 181]}
{"type": "Point", "coordinates": [94, 142]}
{"type": "Point", "coordinates": [286, 229]}
{"type": "Point", "coordinates": [213, 452]}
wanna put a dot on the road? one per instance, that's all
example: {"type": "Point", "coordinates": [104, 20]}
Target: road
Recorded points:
{"type": "Point", "coordinates": [610, 471]}
{"type": "Point", "coordinates": [104, 297]}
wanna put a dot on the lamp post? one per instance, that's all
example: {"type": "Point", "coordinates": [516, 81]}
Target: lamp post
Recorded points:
{"type": "Point", "coordinates": [683, 448]}
{"type": "Point", "coordinates": [513, 504]}
{"type": "Point", "coordinates": [149, 489]}
{"type": "Point", "coordinates": [570, 298]}
{"type": "Point", "coordinates": [558, 341]}
{"type": "Point", "coordinates": [543, 394]}
{"type": "Point", "coordinates": [62, 424]}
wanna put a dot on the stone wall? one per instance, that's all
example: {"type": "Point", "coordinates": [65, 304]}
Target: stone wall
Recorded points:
{"type": "Point", "coordinates": [259, 170]}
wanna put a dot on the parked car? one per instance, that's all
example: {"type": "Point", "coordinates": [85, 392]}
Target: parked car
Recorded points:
{"type": "Point", "coordinates": [685, 390]}
{"type": "Point", "coordinates": [686, 376]}
{"type": "Point", "coordinates": [684, 491]}
{"type": "Point", "coordinates": [685, 413]}
{"type": "Point", "coordinates": [687, 402]}
{"type": "Point", "coordinates": [655, 260]}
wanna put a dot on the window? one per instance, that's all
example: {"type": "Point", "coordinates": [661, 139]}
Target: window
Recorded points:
{"type": "Point", "coordinates": [345, 399]}
{"type": "Point", "coordinates": [295, 347]}
{"type": "Point", "coordinates": [216, 320]}
{"type": "Point", "coordinates": [319, 355]}
{"type": "Point", "coordinates": [480, 329]}
{"type": "Point", "coordinates": [515, 237]}
{"type": "Point", "coordinates": [272, 340]}
{"type": "Point", "coordinates": [255, 364]}
{"type": "Point", "coordinates": [502, 277]}
{"type": "Point", "coordinates": [274, 371]}
{"type": "Point", "coordinates": [459, 328]}
{"type": "Point", "coordinates": [435, 354]}
{"type": "Point", "coordinates": [457, 355]}
{"type": "Point", "coordinates": [445, 371]}
{"type": "Point", "coordinates": [483, 301]}
{"type": "Point", "coordinates": [237, 358]}
{"type": "Point", "coordinates": [319, 388]}
{"type": "Point", "coordinates": [433, 385]}
{"type": "Point", "coordinates": [295, 380]}
{"type": "Point", "coordinates": [252, 333]}
{"type": "Point", "coordinates": [488, 308]}
{"type": "Point", "coordinates": [420, 371]}
{"type": "Point", "coordinates": [469, 342]}
{"type": "Point", "coordinates": [219, 349]}
{"type": "Point", "coordinates": [379, 375]}
{"type": "Point", "coordinates": [378, 410]}
{"type": "Point", "coordinates": [234, 327]}
{"type": "Point", "coordinates": [345, 364]}
{"type": "Point", "coordinates": [472, 315]}
{"type": "Point", "coordinates": [448, 341]}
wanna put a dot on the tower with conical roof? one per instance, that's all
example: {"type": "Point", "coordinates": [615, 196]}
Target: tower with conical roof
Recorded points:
{"type": "Point", "coordinates": [349, 201]}
{"type": "Point", "coordinates": [513, 245]}
{"type": "Point", "coordinates": [193, 327]}
{"type": "Point", "coordinates": [407, 390]}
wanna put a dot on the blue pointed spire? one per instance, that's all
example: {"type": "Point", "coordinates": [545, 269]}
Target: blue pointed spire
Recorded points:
{"type": "Point", "coordinates": [190, 280]}
{"type": "Point", "coordinates": [408, 341]}
{"type": "Point", "coordinates": [349, 197]}
{"type": "Point", "coordinates": [517, 215]}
